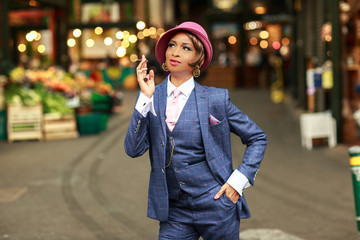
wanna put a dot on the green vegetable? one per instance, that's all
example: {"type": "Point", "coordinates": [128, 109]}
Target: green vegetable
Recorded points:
{"type": "Point", "coordinates": [53, 102]}
{"type": "Point", "coordinates": [21, 95]}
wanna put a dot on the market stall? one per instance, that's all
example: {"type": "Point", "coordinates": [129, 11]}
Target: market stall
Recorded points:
{"type": "Point", "coordinates": [55, 104]}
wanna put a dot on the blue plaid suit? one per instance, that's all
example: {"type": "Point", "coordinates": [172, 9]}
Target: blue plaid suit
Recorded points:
{"type": "Point", "coordinates": [149, 133]}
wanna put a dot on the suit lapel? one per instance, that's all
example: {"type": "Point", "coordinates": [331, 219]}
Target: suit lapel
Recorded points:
{"type": "Point", "coordinates": [202, 103]}
{"type": "Point", "coordinates": [162, 96]}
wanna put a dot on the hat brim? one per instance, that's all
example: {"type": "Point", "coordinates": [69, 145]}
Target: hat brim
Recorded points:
{"type": "Point", "coordinates": [163, 41]}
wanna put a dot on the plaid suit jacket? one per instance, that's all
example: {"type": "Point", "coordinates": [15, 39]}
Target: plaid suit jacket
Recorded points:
{"type": "Point", "coordinates": [149, 133]}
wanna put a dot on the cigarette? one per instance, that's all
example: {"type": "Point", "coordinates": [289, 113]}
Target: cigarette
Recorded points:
{"type": "Point", "coordinates": [139, 60]}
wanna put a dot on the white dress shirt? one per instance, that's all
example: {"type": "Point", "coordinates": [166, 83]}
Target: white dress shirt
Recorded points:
{"type": "Point", "coordinates": [237, 180]}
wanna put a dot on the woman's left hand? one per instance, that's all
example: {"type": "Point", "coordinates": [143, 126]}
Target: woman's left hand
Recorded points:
{"type": "Point", "coordinates": [230, 192]}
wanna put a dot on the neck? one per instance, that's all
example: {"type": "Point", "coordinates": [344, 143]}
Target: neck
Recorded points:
{"type": "Point", "coordinates": [178, 79]}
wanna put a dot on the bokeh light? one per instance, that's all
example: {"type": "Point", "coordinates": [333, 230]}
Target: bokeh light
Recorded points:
{"type": "Point", "coordinates": [276, 45]}
{"type": "Point", "coordinates": [260, 10]}
{"type": "Point", "coordinates": [132, 38]}
{"type": "Point", "coordinates": [134, 57]}
{"type": "Point", "coordinates": [125, 44]}
{"type": "Point", "coordinates": [90, 43]}
{"type": "Point", "coordinates": [38, 36]}
{"type": "Point", "coordinates": [121, 52]}
{"type": "Point", "coordinates": [140, 25]}
{"type": "Point", "coordinates": [98, 30]}
{"type": "Point", "coordinates": [77, 33]}
{"type": "Point", "coordinates": [140, 35]}
{"type": "Point", "coordinates": [41, 48]}
{"type": "Point", "coordinates": [108, 41]}
{"type": "Point", "coordinates": [253, 41]}
{"type": "Point", "coordinates": [71, 42]}
{"type": "Point", "coordinates": [264, 34]}
{"type": "Point", "coordinates": [232, 40]}
{"type": "Point", "coordinates": [31, 36]}
{"type": "Point", "coordinates": [264, 44]}
{"type": "Point", "coordinates": [22, 47]}
{"type": "Point", "coordinates": [285, 41]}
{"type": "Point", "coordinates": [119, 35]}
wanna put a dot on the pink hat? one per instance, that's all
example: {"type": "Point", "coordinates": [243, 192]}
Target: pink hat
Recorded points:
{"type": "Point", "coordinates": [192, 27]}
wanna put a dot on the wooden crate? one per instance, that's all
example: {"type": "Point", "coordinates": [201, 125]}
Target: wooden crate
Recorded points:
{"type": "Point", "coordinates": [24, 122]}
{"type": "Point", "coordinates": [59, 127]}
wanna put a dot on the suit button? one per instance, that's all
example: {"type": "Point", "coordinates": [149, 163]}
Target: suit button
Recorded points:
{"type": "Point", "coordinates": [162, 170]}
{"type": "Point", "coordinates": [162, 143]}
{"type": "Point", "coordinates": [175, 169]}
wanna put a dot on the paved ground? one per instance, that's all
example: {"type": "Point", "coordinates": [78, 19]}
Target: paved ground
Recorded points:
{"type": "Point", "coordinates": [87, 188]}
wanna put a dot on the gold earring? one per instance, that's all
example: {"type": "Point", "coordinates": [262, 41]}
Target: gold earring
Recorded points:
{"type": "Point", "coordinates": [164, 67]}
{"type": "Point", "coordinates": [196, 71]}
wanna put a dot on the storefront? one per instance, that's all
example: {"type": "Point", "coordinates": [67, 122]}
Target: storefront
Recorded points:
{"type": "Point", "coordinates": [350, 23]}
{"type": "Point", "coordinates": [247, 37]}
{"type": "Point", "coordinates": [64, 66]}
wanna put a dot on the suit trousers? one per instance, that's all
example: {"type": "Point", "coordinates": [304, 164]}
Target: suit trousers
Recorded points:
{"type": "Point", "coordinates": [192, 217]}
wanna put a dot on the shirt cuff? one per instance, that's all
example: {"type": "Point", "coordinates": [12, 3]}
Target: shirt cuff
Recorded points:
{"type": "Point", "coordinates": [238, 181]}
{"type": "Point", "coordinates": [145, 105]}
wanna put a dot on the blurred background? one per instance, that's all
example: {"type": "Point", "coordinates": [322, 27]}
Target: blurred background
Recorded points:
{"type": "Point", "coordinates": [68, 87]}
{"type": "Point", "coordinates": [308, 50]}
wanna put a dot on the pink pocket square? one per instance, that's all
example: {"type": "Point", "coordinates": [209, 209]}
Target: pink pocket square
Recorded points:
{"type": "Point", "coordinates": [213, 120]}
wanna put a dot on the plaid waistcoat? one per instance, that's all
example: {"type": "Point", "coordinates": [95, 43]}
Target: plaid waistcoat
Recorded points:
{"type": "Point", "coordinates": [188, 170]}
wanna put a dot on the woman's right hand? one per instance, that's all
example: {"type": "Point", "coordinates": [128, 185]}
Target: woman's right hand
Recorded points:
{"type": "Point", "coordinates": [146, 81]}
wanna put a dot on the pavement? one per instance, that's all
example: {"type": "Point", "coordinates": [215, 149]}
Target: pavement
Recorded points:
{"type": "Point", "coordinates": [88, 188]}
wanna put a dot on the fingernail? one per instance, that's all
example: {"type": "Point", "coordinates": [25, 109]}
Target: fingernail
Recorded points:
{"type": "Point", "coordinates": [216, 196]}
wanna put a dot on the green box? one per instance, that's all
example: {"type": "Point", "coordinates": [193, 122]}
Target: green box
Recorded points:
{"type": "Point", "coordinates": [101, 103]}
{"type": "Point", "coordinates": [92, 123]}
{"type": "Point", "coordinates": [3, 131]}
{"type": "Point", "coordinates": [104, 120]}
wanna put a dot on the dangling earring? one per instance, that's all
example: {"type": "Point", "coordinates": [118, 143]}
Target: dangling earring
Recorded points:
{"type": "Point", "coordinates": [196, 71]}
{"type": "Point", "coordinates": [164, 67]}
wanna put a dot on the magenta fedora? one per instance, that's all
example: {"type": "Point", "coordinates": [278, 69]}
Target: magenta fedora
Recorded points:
{"type": "Point", "coordinates": [192, 27]}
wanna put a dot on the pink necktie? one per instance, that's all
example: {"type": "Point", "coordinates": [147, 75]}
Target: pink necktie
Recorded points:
{"type": "Point", "coordinates": [172, 110]}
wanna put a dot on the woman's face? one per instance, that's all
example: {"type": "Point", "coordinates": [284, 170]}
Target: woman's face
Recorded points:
{"type": "Point", "coordinates": [179, 53]}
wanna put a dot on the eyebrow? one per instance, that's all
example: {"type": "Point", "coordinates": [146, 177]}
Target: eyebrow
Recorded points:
{"type": "Point", "coordinates": [184, 43]}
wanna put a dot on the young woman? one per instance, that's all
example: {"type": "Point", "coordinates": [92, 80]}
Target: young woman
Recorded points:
{"type": "Point", "coordinates": [193, 189]}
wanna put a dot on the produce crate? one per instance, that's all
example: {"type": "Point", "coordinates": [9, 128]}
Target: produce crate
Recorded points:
{"type": "Point", "coordinates": [57, 126]}
{"type": "Point", "coordinates": [24, 122]}
{"type": "Point", "coordinates": [101, 103]}
{"type": "Point", "coordinates": [2, 125]}
{"type": "Point", "coordinates": [92, 123]}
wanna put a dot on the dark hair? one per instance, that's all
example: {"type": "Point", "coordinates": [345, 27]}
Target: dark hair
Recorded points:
{"type": "Point", "coordinates": [199, 47]}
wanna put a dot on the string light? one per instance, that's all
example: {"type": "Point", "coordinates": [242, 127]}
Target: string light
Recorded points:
{"type": "Point", "coordinates": [253, 41]}
{"type": "Point", "coordinates": [22, 47]}
{"type": "Point", "coordinates": [140, 25]}
{"type": "Point", "coordinates": [264, 34]}
{"type": "Point", "coordinates": [108, 41]}
{"type": "Point", "coordinates": [77, 33]}
{"type": "Point", "coordinates": [41, 48]}
{"type": "Point", "coordinates": [132, 38]}
{"type": "Point", "coordinates": [276, 45]}
{"type": "Point", "coordinates": [260, 10]}
{"type": "Point", "coordinates": [264, 44]}
{"type": "Point", "coordinates": [121, 52]}
{"type": "Point", "coordinates": [71, 42]}
{"type": "Point", "coordinates": [119, 35]}
{"type": "Point", "coordinates": [90, 43]}
{"type": "Point", "coordinates": [98, 30]}
{"type": "Point", "coordinates": [232, 40]}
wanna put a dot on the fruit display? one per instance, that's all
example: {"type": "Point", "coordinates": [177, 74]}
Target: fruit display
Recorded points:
{"type": "Point", "coordinates": [53, 87]}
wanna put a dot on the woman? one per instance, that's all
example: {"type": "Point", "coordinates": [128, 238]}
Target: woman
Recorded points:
{"type": "Point", "coordinates": [193, 189]}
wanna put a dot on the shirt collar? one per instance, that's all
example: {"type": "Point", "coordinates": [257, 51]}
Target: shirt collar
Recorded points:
{"type": "Point", "coordinates": [185, 88]}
